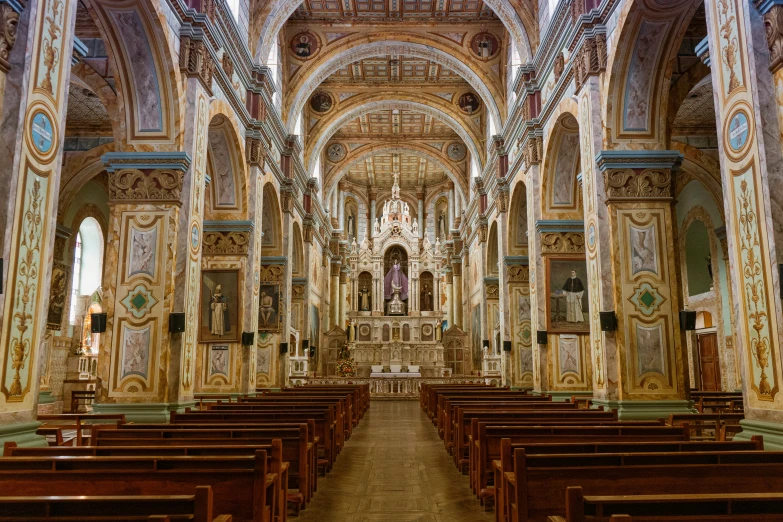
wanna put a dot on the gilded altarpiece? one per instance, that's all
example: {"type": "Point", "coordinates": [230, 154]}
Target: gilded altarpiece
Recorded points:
{"type": "Point", "coordinates": [30, 238]}
{"type": "Point", "coordinates": [749, 216]}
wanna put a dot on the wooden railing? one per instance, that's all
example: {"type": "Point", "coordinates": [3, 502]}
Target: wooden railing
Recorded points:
{"type": "Point", "coordinates": [393, 387]}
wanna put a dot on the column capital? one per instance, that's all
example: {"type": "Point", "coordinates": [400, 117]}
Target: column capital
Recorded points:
{"type": "Point", "coordinates": [590, 58]}
{"type": "Point", "coordinates": [255, 153]}
{"type": "Point", "coordinates": [227, 238]}
{"type": "Point", "coordinates": [773, 26]}
{"type": "Point", "coordinates": [532, 150]}
{"type": "Point", "coordinates": [630, 175]}
{"type": "Point", "coordinates": [288, 195]}
{"type": "Point", "coordinates": [9, 19]}
{"type": "Point", "coordinates": [145, 176]}
{"type": "Point", "coordinates": [195, 60]}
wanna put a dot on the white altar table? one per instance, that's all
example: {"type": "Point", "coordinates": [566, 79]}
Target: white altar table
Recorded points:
{"type": "Point", "coordinates": [389, 375]}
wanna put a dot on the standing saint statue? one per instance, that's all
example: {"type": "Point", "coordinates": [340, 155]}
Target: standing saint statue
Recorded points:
{"type": "Point", "coordinates": [395, 279]}
{"type": "Point", "coordinates": [574, 290]}
{"type": "Point", "coordinates": [426, 299]}
{"type": "Point", "coordinates": [218, 321]}
{"type": "Point", "coordinates": [365, 299]}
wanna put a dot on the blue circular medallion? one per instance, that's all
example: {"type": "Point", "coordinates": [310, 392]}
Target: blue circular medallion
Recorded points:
{"type": "Point", "coordinates": [591, 236]}
{"type": "Point", "coordinates": [194, 236]}
{"type": "Point", "coordinates": [42, 132]}
{"type": "Point", "coordinates": [738, 131]}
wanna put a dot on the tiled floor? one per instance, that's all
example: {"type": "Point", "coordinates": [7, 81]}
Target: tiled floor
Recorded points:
{"type": "Point", "coordinates": [394, 469]}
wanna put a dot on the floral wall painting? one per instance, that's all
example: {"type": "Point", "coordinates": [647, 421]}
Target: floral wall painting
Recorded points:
{"type": "Point", "coordinates": [568, 299]}
{"type": "Point", "coordinates": [219, 306]}
{"type": "Point", "coordinates": [218, 360]}
{"type": "Point", "coordinates": [269, 307]}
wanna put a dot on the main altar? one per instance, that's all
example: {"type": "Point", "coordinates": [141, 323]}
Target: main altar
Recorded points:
{"type": "Point", "coordinates": [395, 321]}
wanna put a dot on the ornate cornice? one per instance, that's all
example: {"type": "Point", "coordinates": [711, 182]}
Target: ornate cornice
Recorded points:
{"type": "Point", "coordinates": [135, 186]}
{"type": "Point", "coordinates": [562, 242]}
{"type": "Point", "coordinates": [146, 160]}
{"type": "Point", "coordinates": [589, 59]}
{"type": "Point", "coordinates": [225, 243]}
{"type": "Point", "coordinates": [638, 174]}
{"type": "Point", "coordinates": [532, 150]}
{"type": "Point", "coordinates": [9, 19]}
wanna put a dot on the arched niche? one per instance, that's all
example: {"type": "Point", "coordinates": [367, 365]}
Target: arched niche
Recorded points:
{"type": "Point", "coordinates": [698, 260]}
{"type": "Point", "coordinates": [562, 193]}
{"type": "Point", "coordinates": [351, 219]}
{"type": "Point", "coordinates": [298, 268]}
{"type": "Point", "coordinates": [226, 194]}
{"type": "Point", "coordinates": [442, 218]}
{"type": "Point", "coordinates": [427, 295]}
{"type": "Point", "coordinates": [365, 297]}
{"type": "Point", "coordinates": [518, 229]}
{"type": "Point", "coordinates": [492, 267]}
{"type": "Point", "coordinates": [271, 223]}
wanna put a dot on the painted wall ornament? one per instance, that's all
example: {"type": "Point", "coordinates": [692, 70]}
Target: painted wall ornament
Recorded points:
{"type": "Point", "coordinates": [219, 306]}
{"type": "Point", "coordinates": [42, 132]}
{"type": "Point", "coordinates": [567, 294]}
{"type": "Point", "coordinates": [456, 151]}
{"type": "Point", "coordinates": [469, 103]}
{"type": "Point", "coordinates": [739, 129]}
{"type": "Point", "coordinates": [485, 45]}
{"type": "Point", "coordinates": [61, 275]}
{"type": "Point", "coordinates": [321, 102]}
{"type": "Point", "coordinates": [305, 45]}
{"type": "Point", "coordinates": [335, 152]}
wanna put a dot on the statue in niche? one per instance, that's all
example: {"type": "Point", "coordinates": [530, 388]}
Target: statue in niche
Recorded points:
{"type": "Point", "coordinates": [405, 209]}
{"type": "Point", "coordinates": [396, 186]}
{"type": "Point", "coordinates": [351, 232]}
{"type": "Point", "coordinates": [439, 330]}
{"type": "Point", "coordinates": [395, 279]}
{"type": "Point", "coordinates": [426, 298]}
{"type": "Point", "coordinates": [415, 227]}
{"type": "Point", "coordinates": [219, 319]}
{"type": "Point", "coordinates": [377, 227]}
{"type": "Point", "coordinates": [441, 226]}
{"type": "Point", "coordinates": [364, 299]}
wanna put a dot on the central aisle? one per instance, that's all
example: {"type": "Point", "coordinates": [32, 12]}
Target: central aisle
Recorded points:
{"type": "Point", "coordinates": [394, 469]}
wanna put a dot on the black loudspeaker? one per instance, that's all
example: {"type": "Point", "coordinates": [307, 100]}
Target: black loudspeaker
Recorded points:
{"type": "Point", "coordinates": [506, 346]}
{"type": "Point", "coordinates": [248, 338]}
{"type": "Point", "coordinates": [485, 343]}
{"type": "Point", "coordinates": [688, 319]}
{"type": "Point", "coordinates": [312, 352]}
{"type": "Point", "coordinates": [608, 321]}
{"type": "Point", "coordinates": [283, 347]}
{"type": "Point", "coordinates": [541, 337]}
{"type": "Point", "coordinates": [177, 322]}
{"type": "Point", "coordinates": [97, 323]}
{"type": "Point", "coordinates": [305, 345]}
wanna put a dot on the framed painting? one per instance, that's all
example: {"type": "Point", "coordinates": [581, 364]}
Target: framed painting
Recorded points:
{"type": "Point", "coordinates": [219, 317]}
{"type": "Point", "coordinates": [61, 276]}
{"type": "Point", "coordinates": [269, 307]}
{"type": "Point", "coordinates": [566, 283]}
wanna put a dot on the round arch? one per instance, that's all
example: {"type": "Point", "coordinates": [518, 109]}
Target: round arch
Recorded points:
{"type": "Point", "coordinates": [435, 107]}
{"type": "Point", "coordinates": [517, 229]}
{"type": "Point", "coordinates": [492, 269]}
{"type": "Point", "coordinates": [298, 269]}
{"type": "Point", "coordinates": [78, 171]}
{"type": "Point", "coordinates": [271, 223]}
{"type": "Point", "coordinates": [334, 176]}
{"type": "Point", "coordinates": [562, 162]}
{"type": "Point", "coordinates": [227, 160]}
{"type": "Point", "coordinates": [350, 50]}
{"type": "Point", "coordinates": [509, 16]}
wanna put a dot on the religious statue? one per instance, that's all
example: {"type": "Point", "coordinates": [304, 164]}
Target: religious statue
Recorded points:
{"type": "Point", "coordinates": [396, 186]}
{"type": "Point", "coordinates": [415, 226]}
{"type": "Point", "coordinates": [426, 299]}
{"type": "Point", "coordinates": [377, 227]}
{"type": "Point", "coordinates": [405, 209]}
{"type": "Point", "coordinates": [350, 226]}
{"type": "Point", "coordinates": [439, 330]}
{"type": "Point", "coordinates": [395, 279]}
{"type": "Point", "coordinates": [365, 299]}
{"type": "Point", "coordinates": [441, 226]}
{"type": "Point", "coordinates": [218, 322]}
{"type": "Point", "coordinates": [574, 290]}
{"type": "Point", "coordinates": [351, 330]}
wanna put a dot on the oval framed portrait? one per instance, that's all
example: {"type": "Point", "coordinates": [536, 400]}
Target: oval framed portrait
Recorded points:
{"type": "Point", "coordinates": [485, 45]}
{"type": "Point", "coordinates": [321, 102]}
{"type": "Point", "coordinates": [469, 103]}
{"type": "Point", "coordinates": [305, 45]}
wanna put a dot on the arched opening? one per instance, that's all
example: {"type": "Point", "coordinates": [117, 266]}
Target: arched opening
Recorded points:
{"type": "Point", "coordinates": [87, 263]}
{"type": "Point", "coordinates": [271, 223]}
{"type": "Point", "coordinates": [427, 297]}
{"type": "Point", "coordinates": [698, 261]}
{"type": "Point", "coordinates": [493, 264]}
{"type": "Point", "coordinates": [365, 292]}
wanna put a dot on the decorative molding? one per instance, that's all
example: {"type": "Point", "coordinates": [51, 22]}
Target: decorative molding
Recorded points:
{"type": "Point", "coordinates": [133, 185]}
{"type": "Point", "coordinates": [519, 274]}
{"type": "Point", "coordinates": [703, 51]}
{"type": "Point", "coordinates": [287, 196]}
{"type": "Point", "coordinates": [146, 160]}
{"type": "Point", "coordinates": [773, 25]}
{"type": "Point", "coordinates": [224, 243]}
{"type": "Point", "coordinates": [532, 150]}
{"type": "Point", "coordinates": [562, 242]}
{"type": "Point", "coordinates": [9, 19]}
{"type": "Point", "coordinates": [196, 61]}
{"type": "Point", "coordinates": [254, 152]}
{"type": "Point", "coordinates": [228, 226]}
{"type": "Point", "coordinates": [589, 59]}
{"type": "Point", "coordinates": [631, 184]}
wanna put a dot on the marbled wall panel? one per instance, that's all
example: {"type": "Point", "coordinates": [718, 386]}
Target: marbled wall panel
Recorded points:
{"type": "Point", "coordinates": [640, 82]}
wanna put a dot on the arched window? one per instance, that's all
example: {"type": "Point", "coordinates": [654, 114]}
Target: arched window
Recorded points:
{"type": "Point", "coordinates": [273, 62]}
{"type": "Point", "coordinates": [87, 262]}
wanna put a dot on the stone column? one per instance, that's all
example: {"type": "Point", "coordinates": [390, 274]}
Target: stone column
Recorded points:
{"type": "Point", "coordinates": [344, 271]}
{"type": "Point", "coordinates": [9, 20]}
{"type": "Point", "coordinates": [372, 193]}
{"type": "Point", "coordinates": [334, 293]}
{"type": "Point", "coordinates": [452, 195]}
{"type": "Point", "coordinates": [288, 197]}
{"type": "Point", "coordinates": [33, 124]}
{"type": "Point", "coordinates": [341, 208]}
{"type": "Point", "coordinates": [457, 210]}
{"type": "Point", "coordinates": [449, 291]}
{"type": "Point", "coordinates": [420, 216]}
{"type": "Point", "coordinates": [752, 179]}
{"type": "Point", "coordinates": [652, 378]}
{"type": "Point", "coordinates": [456, 271]}
{"type": "Point", "coordinates": [504, 298]}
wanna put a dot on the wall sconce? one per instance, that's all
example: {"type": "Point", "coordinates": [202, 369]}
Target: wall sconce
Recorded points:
{"type": "Point", "coordinates": [608, 321]}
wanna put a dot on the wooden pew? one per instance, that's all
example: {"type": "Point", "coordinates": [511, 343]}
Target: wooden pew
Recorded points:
{"type": "Point", "coordinates": [350, 401]}
{"type": "Point", "coordinates": [340, 412]}
{"type": "Point", "coordinates": [242, 486]}
{"type": "Point", "coordinates": [486, 447]}
{"type": "Point", "coordinates": [465, 415]}
{"type": "Point", "coordinates": [195, 508]}
{"type": "Point", "coordinates": [445, 402]}
{"type": "Point", "coordinates": [360, 391]}
{"type": "Point", "coordinates": [434, 392]}
{"type": "Point", "coordinates": [704, 426]}
{"type": "Point", "coordinates": [540, 481]}
{"type": "Point", "coordinates": [426, 390]}
{"type": "Point", "coordinates": [69, 427]}
{"type": "Point", "coordinates": [503, 468]}
{"type": "Point", "coordinates": [293, 442]}
{"type": "Point", "coordinates": [734, 507]}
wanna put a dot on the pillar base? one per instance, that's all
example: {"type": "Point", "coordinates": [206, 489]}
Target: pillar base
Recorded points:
{"type": "Point", "coordinates": [154, 412]}
{"type": "Point", "coordinates": [645, 410]}
{"type": "Point", "coordinates": [24, 434]}
{"type": "Point", "coordinates": [771, 431]}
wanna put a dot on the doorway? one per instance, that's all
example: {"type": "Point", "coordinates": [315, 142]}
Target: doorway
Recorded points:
{"type": "Point", "coordinates": [709, 362]}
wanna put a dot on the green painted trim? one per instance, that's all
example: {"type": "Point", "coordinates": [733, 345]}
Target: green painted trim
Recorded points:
{"type": "Point", "coordinates": [644, 410]}
{"type": "Point", "coordinates": [771, 431]}
{"type": "Point", "coordinates": [46, 397]}
{"type": "Point", "coordinates": [145, 412]}
{"type": "Point", "coordinates": [24, 434]}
